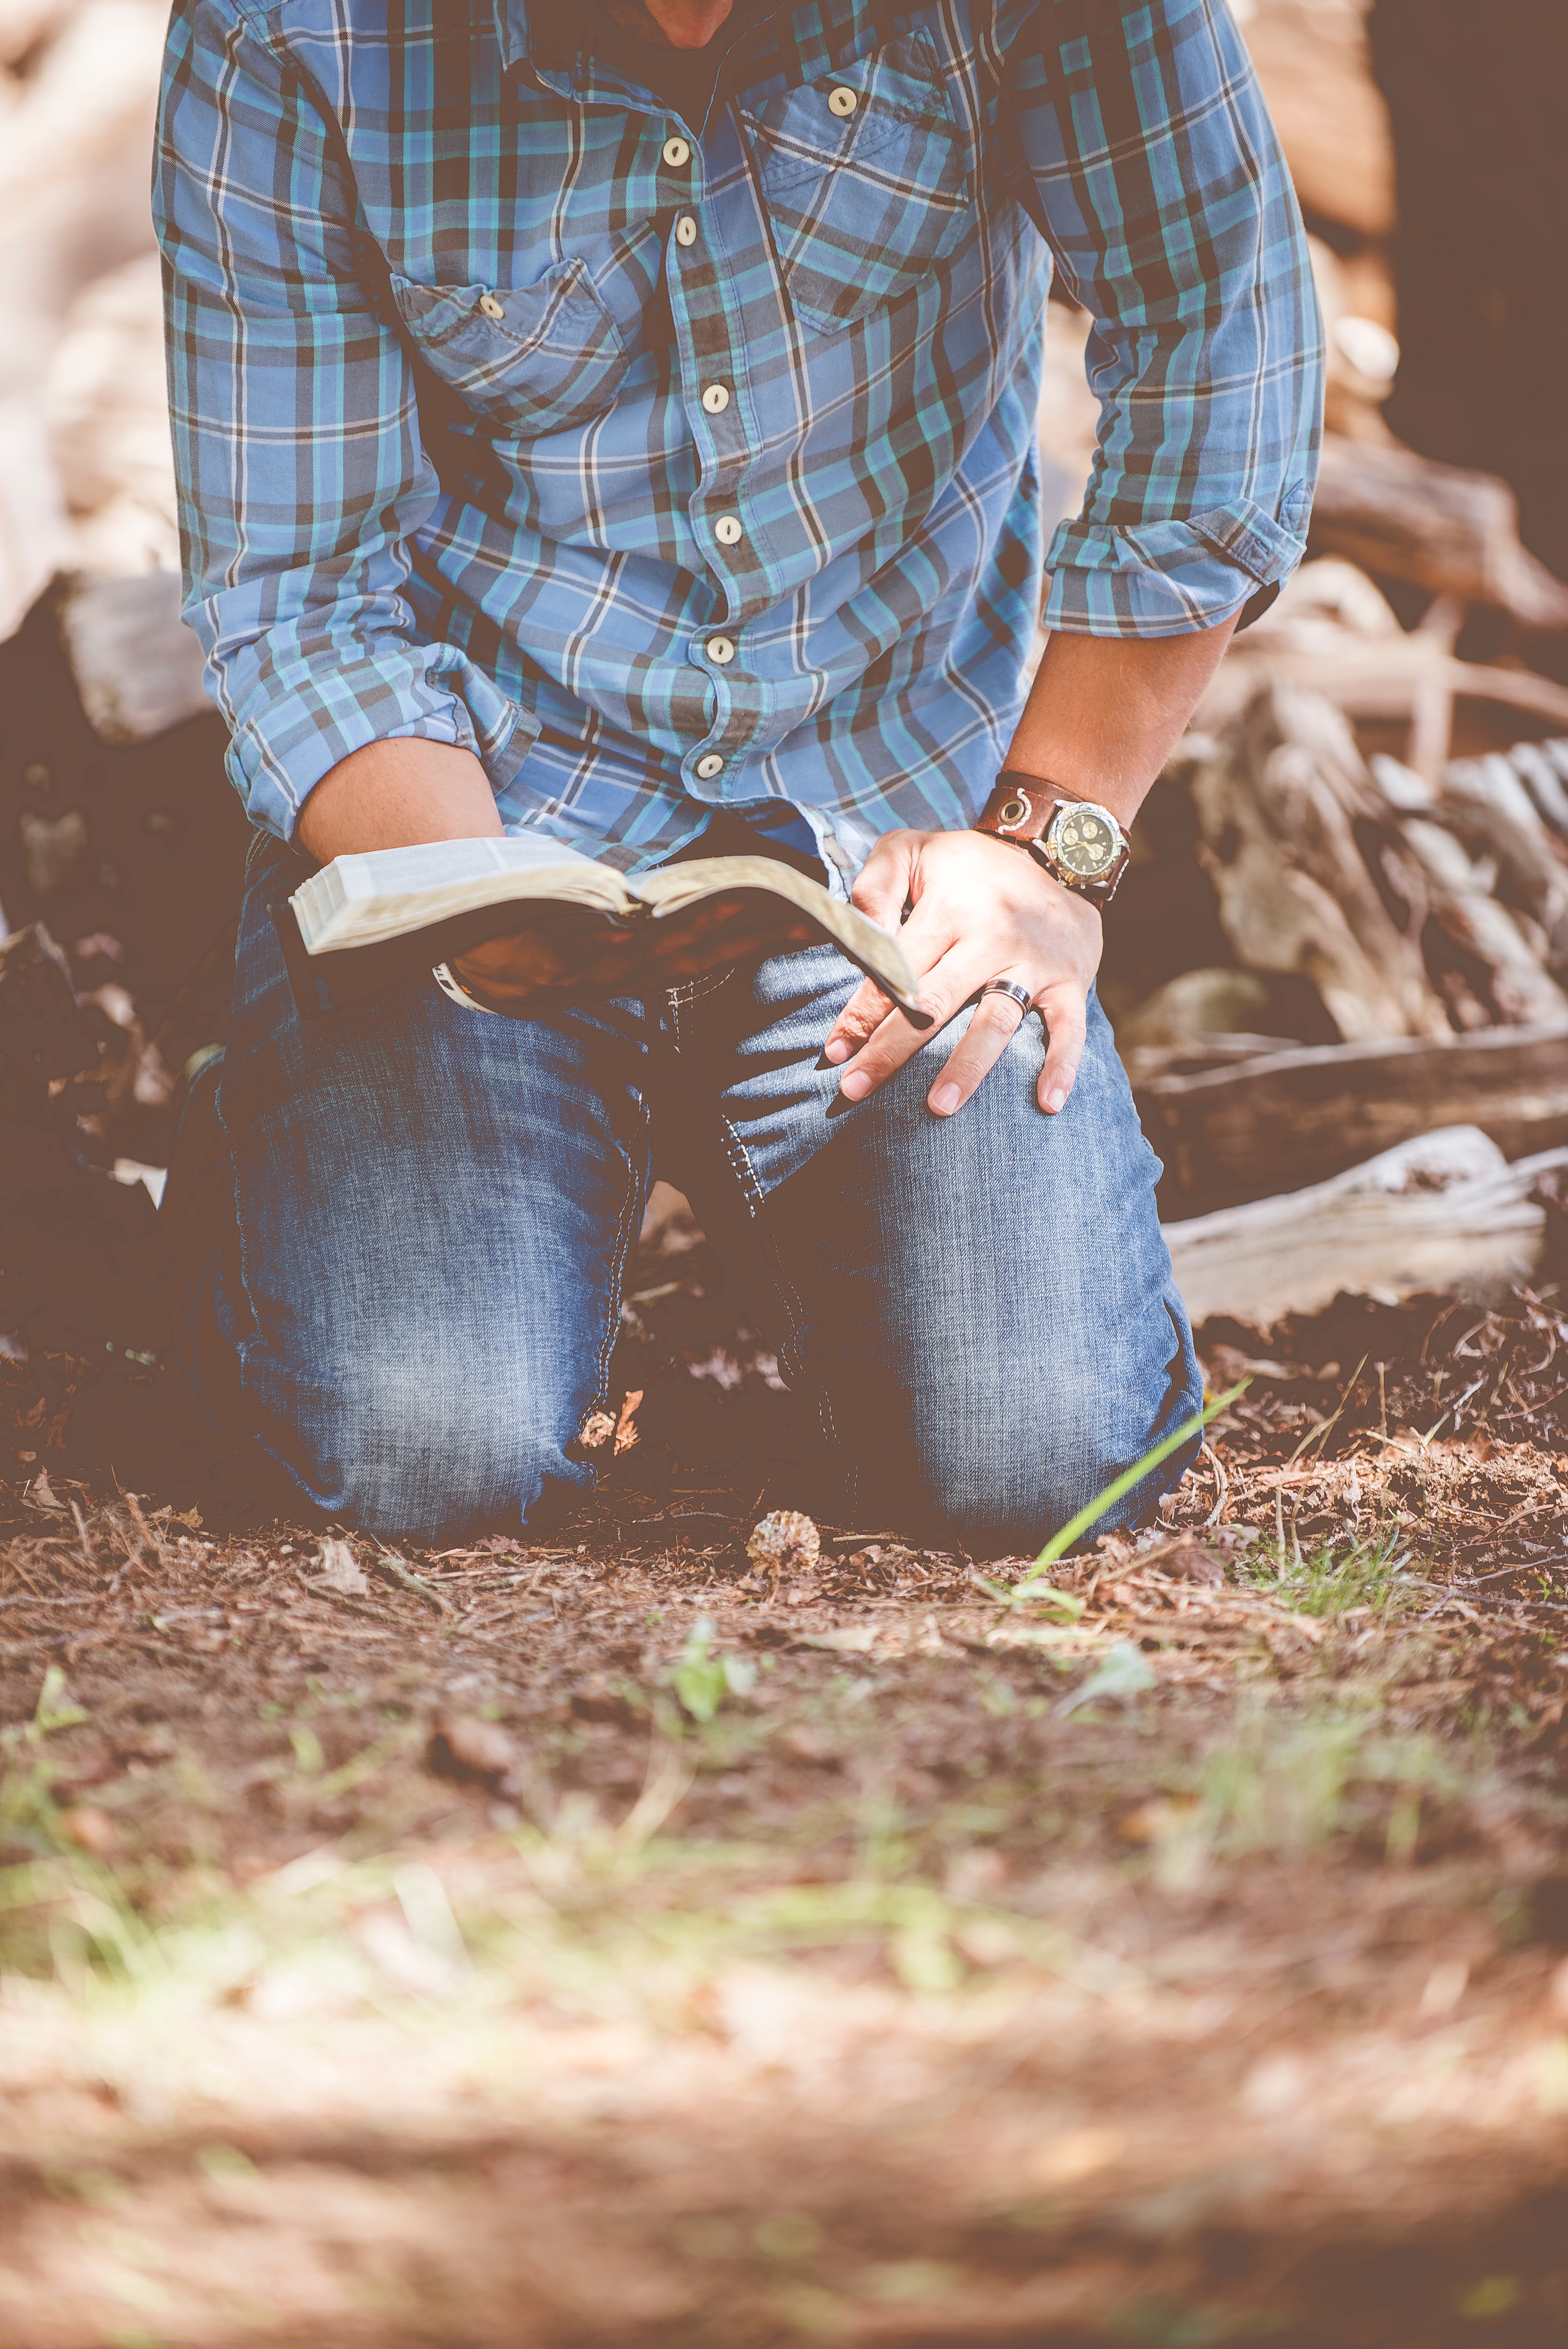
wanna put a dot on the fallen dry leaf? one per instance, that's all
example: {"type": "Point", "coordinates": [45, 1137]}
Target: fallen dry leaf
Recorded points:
{"type": "Point", "coordinates": [40, 1494]}
{"type": "Point", "coordinates": [337, 1568]}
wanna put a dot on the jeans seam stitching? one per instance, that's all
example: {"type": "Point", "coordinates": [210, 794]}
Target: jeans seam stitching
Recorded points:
{"type": "Point", "coordinates": [243, 1252]}
{"type": "Point", "coordinates": [783, 1282]}
{"type": "Point", "coordinates": [693, 990]}
{"type": "Point", "coordinates": [629, 1220]}
{"type": "Point", "coordinates": [741, 1168]}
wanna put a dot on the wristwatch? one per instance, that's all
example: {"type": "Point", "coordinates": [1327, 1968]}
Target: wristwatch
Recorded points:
{"type": "Point", "coordinates": [1077, 842]}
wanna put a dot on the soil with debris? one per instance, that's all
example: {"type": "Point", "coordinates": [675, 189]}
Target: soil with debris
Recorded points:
{"type": "Point", "coordinates": [627, 1940]}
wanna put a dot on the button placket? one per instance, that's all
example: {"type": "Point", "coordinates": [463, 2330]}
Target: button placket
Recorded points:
{"type": "Point", "coordinates": [704, 312]}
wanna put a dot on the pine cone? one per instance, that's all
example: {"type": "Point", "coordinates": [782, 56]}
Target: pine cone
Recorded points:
{"type": "Point", "coordinates": [784, 1543]}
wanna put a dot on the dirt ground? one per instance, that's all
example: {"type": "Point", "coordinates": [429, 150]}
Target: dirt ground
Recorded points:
{"type": "Point", "coordinates": [604, 1942]}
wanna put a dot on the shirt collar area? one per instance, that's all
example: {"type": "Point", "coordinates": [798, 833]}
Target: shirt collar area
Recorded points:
{"type": "Point", "coordinates": [553, 61]}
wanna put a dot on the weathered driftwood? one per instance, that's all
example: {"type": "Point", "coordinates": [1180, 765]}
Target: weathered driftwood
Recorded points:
{"type": "Point", "coordinates": [73, 170]}
{"type": "Point", "coordinates": [1444, 1212]}
{"type": "Point", "coordinates": [1231, 1005]}
{"type": "Point", "coordinates": [1302, 1115]}
{"type": "Point", "coordinates": [1448, 529]}
{"type": "Point", "coordinates": [1392, 680]}
{"type": "Point", "coordinates": [1289, 813]}
{"type": "Point", "coordinates": [1333, 632]}
{"type": "Point", "coordinates": [1361, 351]}
{"type": "Point", "coordinates": [1411, 904]}
{"type": "Point", "coordinates": [1318, 76]}
{"type": "Point", "coordinates": [137, 666]}
{"type": "Point", "coordinates": [86, 479]}
{"type": "Point", "coordinates": [34, 532]}
{"type": "Point", "coordinates": [108, 405]}
{"type": "Point", "coordinates": [1519, 993]}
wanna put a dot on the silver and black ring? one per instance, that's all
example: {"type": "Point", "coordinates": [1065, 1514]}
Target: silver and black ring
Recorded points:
{"type": "Point", "coordinates": [1011, 988]}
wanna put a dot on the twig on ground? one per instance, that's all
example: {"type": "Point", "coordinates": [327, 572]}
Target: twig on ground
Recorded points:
{"type": "Point", "coordinates": [411, 1581]}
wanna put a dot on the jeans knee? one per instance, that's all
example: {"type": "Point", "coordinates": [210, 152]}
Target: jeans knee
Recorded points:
{"type": "Point", "coordinates": [1011, 1500]}
{"type": "Point", "coordinates": [1004, 1462]}
{"type": "Point", "coordinates": [403, 1449]}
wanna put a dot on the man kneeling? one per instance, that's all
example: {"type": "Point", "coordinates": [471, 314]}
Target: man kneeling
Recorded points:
{"type": "Point", "coordinates": [616, 423]}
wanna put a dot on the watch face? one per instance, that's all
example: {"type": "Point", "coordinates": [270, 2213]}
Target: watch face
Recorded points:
{"type": "Point", "coordinates": [1085, 841]}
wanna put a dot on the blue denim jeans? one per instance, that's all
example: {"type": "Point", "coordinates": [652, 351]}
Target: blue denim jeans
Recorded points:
{"type": "Point", "coordinates": [405, 1282]}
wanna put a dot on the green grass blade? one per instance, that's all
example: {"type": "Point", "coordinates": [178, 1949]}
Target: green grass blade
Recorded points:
{"type": "Point", "coordinates": [1078, 1526]}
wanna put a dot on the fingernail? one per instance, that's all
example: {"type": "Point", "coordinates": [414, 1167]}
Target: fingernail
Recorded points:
{"type": "Point", "coordinates": [945, 1100]}
{"type": "Point", "coordinates": [856, 1085]}
{"type": "Point", "coordinates": [1054, 1101]}
{"type": "Point", "coordinates": [835, 1051]}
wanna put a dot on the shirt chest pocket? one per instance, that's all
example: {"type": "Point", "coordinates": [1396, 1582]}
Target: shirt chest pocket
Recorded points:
{"type": "Point", "coordinates": [864, 179]}
{"type": "Point", "coordinates": [537, 359]}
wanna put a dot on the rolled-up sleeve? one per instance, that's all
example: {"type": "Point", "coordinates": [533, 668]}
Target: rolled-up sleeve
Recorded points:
{"type": "Point", "coordinates": [1157, 176]}
{"type": "Point", "coordinates": [301, 471]}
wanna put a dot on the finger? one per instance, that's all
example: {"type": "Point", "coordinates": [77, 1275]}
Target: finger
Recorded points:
{"type": "Point", "coordinates": [885, 879]}
{"type": "Point", "coordinates": [882, 892]}
{"type": "Point", "coordinates": [862, 1016]}
{"type": "Point", "coordinates": [955, 977]}
{"type": "Point", "coordinates": [1065, 1008]}
{"type": "Point", "coordinates": [924, 946]}
{"type": "Point", "coordinates": [993, 1025]}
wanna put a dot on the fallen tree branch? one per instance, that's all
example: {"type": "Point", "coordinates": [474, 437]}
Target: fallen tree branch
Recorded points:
{"type": "Point", "coordinates": [1305, 1113]}
{"type": "Point", "coordinates": [1446, 1211]}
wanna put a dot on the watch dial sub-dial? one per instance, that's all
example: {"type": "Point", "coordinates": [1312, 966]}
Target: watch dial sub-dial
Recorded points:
{"type": "Point", "coordinates": [1084, 842]}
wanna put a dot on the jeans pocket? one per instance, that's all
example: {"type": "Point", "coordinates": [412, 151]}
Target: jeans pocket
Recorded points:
{"type": "Point", "coordinates": [863, 201]}
{"type": "Point", "coordinates": [542, 357]}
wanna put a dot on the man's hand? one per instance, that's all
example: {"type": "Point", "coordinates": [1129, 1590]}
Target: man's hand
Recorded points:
{"type": "Point", "coordinates": [1102, 717]}
{"type": "Point", "coordinates": [982, 910]}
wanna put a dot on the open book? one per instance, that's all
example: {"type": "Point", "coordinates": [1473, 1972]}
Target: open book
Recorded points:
{"type": "Point", "coordinates": [367, 922]}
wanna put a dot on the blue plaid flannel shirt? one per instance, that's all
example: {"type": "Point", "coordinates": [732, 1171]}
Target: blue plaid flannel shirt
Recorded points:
{"type": "Point", "coordinates": [663, 480]}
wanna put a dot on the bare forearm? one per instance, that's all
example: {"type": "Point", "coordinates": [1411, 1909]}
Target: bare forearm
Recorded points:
{"type": "Point", "coordinates": [396, 794]}
{"type": "Point", "coordinates": [1106, 712]}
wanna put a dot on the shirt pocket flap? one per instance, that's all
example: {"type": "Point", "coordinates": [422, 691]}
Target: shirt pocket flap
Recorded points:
{"type": "Point", "coordinates": [863, 205]}
{"type": "Point", "coordinates": [540, 357]}
{"type": "Point", "coordinates": [799, 135]}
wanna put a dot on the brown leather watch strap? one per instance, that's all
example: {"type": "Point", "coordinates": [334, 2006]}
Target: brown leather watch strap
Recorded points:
{"type": "Point", "coordinates": [1020, 808]}
{"type": "Point", "coordinates": [1021, 811]}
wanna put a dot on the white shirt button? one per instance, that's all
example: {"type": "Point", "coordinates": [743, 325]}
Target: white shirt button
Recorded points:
{"type": "Point", "coordinates": [843, 101]}
{"type": "Point", "coordinates": [707, 768]}
{"type": "Point", "coordinates": [676, 152]}
{"type": "Point", "coordinates": [490, 306]}
{"type": "Point", "coordinates": [716, 398]}
{"type": "Point", "coordinates": [720, 650]}
{"type": "Point", "coordinates": [728, 530]}
{"type": "Point", "coordinates": [686, 229]}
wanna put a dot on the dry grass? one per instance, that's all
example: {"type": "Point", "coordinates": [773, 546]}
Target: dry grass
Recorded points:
{"type": "Point", "coordinates": [594, 1943]}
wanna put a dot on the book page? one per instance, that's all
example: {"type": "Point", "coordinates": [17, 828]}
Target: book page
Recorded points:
{"type": "Point", "coordinates": [390, 893]}
{"type": "Point", "coordinates": [865, 941]}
